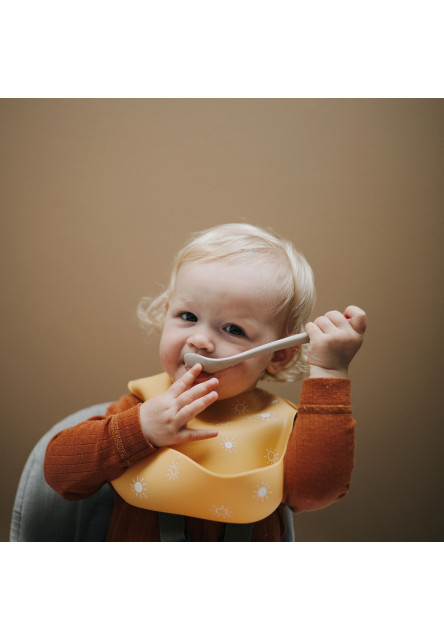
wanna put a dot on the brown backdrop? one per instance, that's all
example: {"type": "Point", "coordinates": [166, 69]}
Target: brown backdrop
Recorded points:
{"type": "Point", "coordinates": [97, 195]}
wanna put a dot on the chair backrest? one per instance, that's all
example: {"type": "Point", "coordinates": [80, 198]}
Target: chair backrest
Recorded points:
{"type": "Point", "coordinates": [41, 515]}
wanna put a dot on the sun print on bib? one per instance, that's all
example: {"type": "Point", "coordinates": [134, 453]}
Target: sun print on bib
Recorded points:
{"type": "Point", "coordinates": [138, 486]}
{"type": "Point", "coordinates": [228, 444]}
{"type": "Point", "coordinates": [173, 470]}
{"type": "Point", "coordinates": [262, 491]}
{"type": "Point", "coordinates": [271, 456]}
{"type": "Point", "coordinates": [221, 512]}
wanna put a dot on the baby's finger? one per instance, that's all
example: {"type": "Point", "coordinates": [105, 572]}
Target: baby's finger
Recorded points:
{"type": "Point", "coordinates": [337, 318]}
{"type": "Point", "coordinates": [185, 381]}
{"type": "Point", "coordinates": [313, 330]}
{"type": "Point", "coordinates": [196, 392]}
{"type": "Point", "coordinates": [190, 435]}
{"type": "Point", "coordinates": [324, 324]}
{"type": "Point", "coordinates": [191, 410]}
{"type": "Point", "coordinates": [357, 318]}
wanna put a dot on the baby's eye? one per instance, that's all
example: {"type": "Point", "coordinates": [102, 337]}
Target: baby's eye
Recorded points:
{"type": "Point", "coordinates": [188, 316]}
{"type": "Point", "coordinates": [234, 330]}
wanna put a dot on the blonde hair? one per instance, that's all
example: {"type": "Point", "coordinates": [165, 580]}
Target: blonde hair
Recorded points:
{"type": "Point", "coordinates": [240, 242]}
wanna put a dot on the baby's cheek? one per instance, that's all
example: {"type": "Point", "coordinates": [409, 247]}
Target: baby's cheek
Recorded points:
{"type": "Point", "coordinates": [238, 379]}
{"type": "Point", "coordinates": [166, 359]}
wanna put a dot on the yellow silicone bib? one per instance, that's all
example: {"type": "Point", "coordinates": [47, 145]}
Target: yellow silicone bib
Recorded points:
{"type": "Point", "coordinates": [235, 477]}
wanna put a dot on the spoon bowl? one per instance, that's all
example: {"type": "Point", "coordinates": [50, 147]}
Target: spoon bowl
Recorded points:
{"type": "Point", "coordinates": [212, 365]}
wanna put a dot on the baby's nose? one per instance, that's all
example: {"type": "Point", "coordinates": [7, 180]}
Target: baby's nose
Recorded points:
{"type": "Point", "coordinates": [201, 340]}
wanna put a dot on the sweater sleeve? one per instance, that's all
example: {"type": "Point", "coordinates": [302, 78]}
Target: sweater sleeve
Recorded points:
{"type": "Point", "coordinates": [80, 459]}
{"type": "Point", "coordinates": [320, 452]}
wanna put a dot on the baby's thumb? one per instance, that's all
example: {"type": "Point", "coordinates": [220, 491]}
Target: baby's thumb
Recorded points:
{"type": "Point", "coordinates": [190, 435]}
{"type": "Point", "coordinates": [356, 318]}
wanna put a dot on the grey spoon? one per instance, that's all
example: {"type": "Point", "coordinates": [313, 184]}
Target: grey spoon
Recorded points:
{"type": "Point", "coordinates": [211, 365]}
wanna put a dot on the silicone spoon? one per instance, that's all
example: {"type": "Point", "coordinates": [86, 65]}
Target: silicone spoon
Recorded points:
{"type": "Point", "coordinates": [211, 365]}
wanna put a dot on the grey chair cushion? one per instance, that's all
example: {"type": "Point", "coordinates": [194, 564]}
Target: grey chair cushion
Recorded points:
{"type": "Point", "coordinates": [41, 515]}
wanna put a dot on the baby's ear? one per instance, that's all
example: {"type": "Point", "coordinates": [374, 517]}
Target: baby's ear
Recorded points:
{"type": "Point", "coordinates": [280, 359]}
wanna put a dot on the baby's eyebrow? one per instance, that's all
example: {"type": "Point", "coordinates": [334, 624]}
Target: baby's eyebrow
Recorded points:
{"type": "Point", "coordinates": [182, 302]}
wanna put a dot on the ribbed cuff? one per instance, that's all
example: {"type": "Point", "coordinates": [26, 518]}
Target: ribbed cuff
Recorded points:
{"type": "Point", "coordinates": [325, 395]}
{"type": "Point", "coordinates": [128, 436]}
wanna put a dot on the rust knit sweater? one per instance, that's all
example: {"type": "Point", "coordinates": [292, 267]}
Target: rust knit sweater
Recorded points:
{"type": "Point", "coordinates": [318, 462]}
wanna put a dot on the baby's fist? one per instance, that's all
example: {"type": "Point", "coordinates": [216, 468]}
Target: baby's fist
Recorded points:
{"type": "Point", "coordinates": [334, 340]}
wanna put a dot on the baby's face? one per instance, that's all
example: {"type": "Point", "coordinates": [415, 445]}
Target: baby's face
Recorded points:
{"type": "Point", "coordinates": [220, 309]}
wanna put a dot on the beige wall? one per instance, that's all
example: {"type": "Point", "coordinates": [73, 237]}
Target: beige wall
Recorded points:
{"type": "Point", "coordinates": [97, 195]}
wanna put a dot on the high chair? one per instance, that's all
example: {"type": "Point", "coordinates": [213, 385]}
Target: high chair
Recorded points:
{"type": "Point", "coordinates": [41, 515]}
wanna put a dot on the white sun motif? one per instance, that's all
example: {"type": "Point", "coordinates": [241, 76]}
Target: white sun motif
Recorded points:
{"type": "Point", "coordinates": [228, 444]}
{"type": "Point", "coordinates": [222, 511]}
{"type": "Point", "coordinates": [271, 456]}
{"type": "Point", "coordinates": [262, 492]}
{"type": "Point", "coordinates": [139, 487]}
{"type": "Point", "coordinates": [240, 407]}
{"type": "Point", "coordinates": [265, 416]}
{"type": "Point", "coordinates": [173, 470]}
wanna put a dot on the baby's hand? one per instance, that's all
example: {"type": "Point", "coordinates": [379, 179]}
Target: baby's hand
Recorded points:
{"type": "Point", "coordinates": [164, 418]}
{"type": "Point", "coordinates": [334, 340]}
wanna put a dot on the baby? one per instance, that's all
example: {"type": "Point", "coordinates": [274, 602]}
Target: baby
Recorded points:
{"type": "Point", "coordinates": [233, 287]}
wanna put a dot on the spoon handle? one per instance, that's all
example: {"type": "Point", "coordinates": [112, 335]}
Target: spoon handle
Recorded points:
{"type": "Point", "coordinates": [211, 365]}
